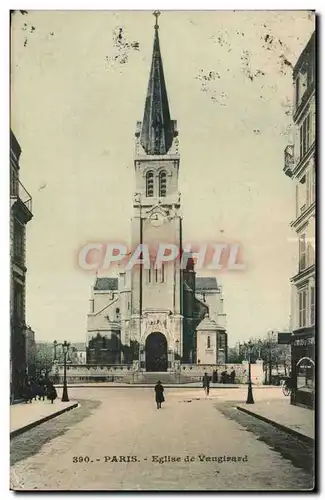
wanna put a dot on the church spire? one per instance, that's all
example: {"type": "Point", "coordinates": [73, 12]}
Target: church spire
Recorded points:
{"type": "Point", "coordinates": [157, 128]}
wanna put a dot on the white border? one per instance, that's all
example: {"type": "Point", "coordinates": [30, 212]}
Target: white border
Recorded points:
{"type": "Point", "coordinates": [4, 171]}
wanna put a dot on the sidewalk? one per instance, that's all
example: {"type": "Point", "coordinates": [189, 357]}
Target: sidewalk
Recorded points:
{"type": "Point", "coordinates": [25, 416]}
{"type": "Point", "coordinates": [280, 413]}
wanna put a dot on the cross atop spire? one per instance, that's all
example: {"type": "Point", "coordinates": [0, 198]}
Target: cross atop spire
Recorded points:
{"type": "Point", "coordinates": [157, 128]}
{"type": "Point", "coordinates": [156, 14]}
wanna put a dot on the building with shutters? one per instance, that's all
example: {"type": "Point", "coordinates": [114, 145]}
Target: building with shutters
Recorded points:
{"type": "Point", "coordinates": [300, 166]}
{"type": "Point", "coordinates": [20, 215]}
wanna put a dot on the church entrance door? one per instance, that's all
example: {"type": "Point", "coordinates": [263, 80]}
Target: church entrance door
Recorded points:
{"type": "Point", "coordinates": [156, 353]}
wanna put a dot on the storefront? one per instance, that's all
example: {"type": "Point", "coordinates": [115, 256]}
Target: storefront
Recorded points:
{"type": "Point", "coordinates": [303, 368]}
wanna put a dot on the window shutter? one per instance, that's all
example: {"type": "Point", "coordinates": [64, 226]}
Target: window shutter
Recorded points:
{"type": "Point", "coordinates": [308, 188]}
{"type": "Point", "coordinates": [308, 132]}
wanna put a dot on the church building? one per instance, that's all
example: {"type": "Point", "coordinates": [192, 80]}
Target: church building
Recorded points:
{"type": "Point", "coordinates": [150, 316]}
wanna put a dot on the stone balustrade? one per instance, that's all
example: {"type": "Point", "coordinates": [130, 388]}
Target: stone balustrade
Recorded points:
{"type": "Point", "coordinates": [127, 373]}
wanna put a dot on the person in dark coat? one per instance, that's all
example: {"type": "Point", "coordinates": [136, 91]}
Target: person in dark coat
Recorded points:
{"type": "Point", "coordinates": [206, 384]}
{"type": "Point", "coordinates": [232, 376]}
{"type": "Point", "coordinates": [159, 394]}
{"type": "Point", "coordinates": [28, 392]}
{"type": "Point", "coordinates": [41, 388]}
{"type": "Point", "coordinates": [33, 388]}
{"type": "Point", "coordinates": [224, 376]}
{"type": "Point", "coordinates": [51, 391]}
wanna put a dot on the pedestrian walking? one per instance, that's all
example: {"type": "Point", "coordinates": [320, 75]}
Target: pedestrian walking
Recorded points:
{"type": "Point", "coordinates": [159, 394]}
{"type": "Point", "coordinates": [41, 388]}
{"type": "Point", "coordinates": [51, 391]}
{"type": "Point", "coordinates": [206, 384]}
{"type": "Point", "coordinates": [34, 388]}
{"type": "Point", "coordinates": [232, 376]}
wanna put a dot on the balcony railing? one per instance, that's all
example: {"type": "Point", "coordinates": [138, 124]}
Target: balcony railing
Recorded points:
{"type": "Point", "coordinates": [17, 190]}
{"type": "Point", "coordinates": [289, 160]}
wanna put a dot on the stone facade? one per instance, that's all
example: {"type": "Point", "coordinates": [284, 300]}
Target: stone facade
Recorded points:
{"type": "Point", "coordinates": [30, 346]}
{"type": "Point", "coordinates": [300, 166]}
{"type": "Point", "coordinates": [149, 313]}
{"type": "Point", "coordinates": [129, 373]}
{"type": "Point", "coordinates": [20, 215]}
{"type": "Point", "coordinates": [208, 342]}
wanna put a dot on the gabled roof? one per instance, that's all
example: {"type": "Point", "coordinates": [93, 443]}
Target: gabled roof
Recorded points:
{"type": "Point", "coordinates": [206, 283]}
{"type": "Point", "coordinates": [106, 284]}
{"type": "Point", "coordinates": [208, 324]}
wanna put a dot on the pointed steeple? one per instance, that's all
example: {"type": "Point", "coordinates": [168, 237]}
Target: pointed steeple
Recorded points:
{"type": "Point", "coordinates": [157, 128]}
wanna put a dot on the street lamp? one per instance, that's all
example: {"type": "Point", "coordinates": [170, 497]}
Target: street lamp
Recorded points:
{"type": "Point", "coordinates": [55, 344]}
{"type": "Point", "coordinates": [250, 399]}
{"type": "Point", "coordinates": [178, 366]}
{"type": "Point", "coordinates": [65, 349]}
{"type": "Point", "coordinates": [270, 336]}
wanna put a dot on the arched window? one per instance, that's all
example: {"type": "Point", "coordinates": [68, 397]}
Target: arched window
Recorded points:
{"type": "Point", "coordinates": [208, 342]}
{"type": "Point", "coordinates": [149, 184]}
{"type": "Point", "coordinates": [162, 184]}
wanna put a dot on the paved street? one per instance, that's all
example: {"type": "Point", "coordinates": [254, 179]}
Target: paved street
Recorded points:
{"type": "Point", "coordinates": [76, 450]}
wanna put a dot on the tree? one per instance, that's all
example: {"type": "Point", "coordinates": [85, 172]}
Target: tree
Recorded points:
{"type": "Point", "coordinates": [44, 358]}
{"type": "Point", "coordinates": [274, 355]}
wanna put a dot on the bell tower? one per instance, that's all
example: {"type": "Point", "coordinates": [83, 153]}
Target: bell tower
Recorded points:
{"type": "Point", "coordinates": [156, 305]}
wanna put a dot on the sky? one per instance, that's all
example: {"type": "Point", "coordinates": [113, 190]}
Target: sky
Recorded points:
{"type": "Point", "coordinates": [77, 92]}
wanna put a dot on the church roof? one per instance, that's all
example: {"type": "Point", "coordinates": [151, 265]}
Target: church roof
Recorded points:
{"type": "Point", "coordinates": [206, 283]}
{"type": "Point", "coordinates": [208, 324]}
{"type": "Point", "coordinates": [157, 130]}
{"type": "Point", "coordinates": [106, 284]}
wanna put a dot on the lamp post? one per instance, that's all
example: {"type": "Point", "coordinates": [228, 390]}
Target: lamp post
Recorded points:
{"type": "Point", "coordinates": [270, 336]}
{"type": "Point", "coordinates": [55, 344]}
{"type": "Point", "coordinates": [65, 349]}
{"type": "Point", "coordinates": [177, 352]}
{"type": "Point", "coordinates": [250, 399]}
